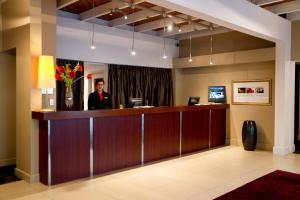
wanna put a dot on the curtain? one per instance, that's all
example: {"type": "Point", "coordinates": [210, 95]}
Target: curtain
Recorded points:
{"type": "Point", "coordinates": [77, 88]}
{"type": "Point", "coordinates": [154, 85]}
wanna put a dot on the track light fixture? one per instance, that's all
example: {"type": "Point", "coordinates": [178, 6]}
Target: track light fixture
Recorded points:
{"type": "Point", "coordinates": [190, 58]}
{"type": "Point", "coordinates": [211, 45]}
{"type": "Point", "coordinates": [93, 33]}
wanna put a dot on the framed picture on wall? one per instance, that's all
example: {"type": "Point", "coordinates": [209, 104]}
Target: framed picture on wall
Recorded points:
{"type": "Point", "coordinates": [252, 92]}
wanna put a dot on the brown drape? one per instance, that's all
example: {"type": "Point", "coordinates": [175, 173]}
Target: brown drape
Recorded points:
{"type": "Point", "coordinates": [152, 84]}
{"type": "Point", "coordinates": [77, 88]}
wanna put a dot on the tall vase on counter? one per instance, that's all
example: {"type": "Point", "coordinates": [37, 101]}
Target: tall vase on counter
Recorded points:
{"type": "Point", "coordinates": [69, 96]}
{"type": "Point", "coordinates": [66, 74]}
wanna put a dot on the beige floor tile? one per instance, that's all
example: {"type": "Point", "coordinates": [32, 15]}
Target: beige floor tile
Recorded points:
{"type": "Point", "coordinates": [204, 175]}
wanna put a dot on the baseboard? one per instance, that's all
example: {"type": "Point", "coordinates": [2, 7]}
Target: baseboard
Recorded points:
{"type": "Point", "coordinates": [283, 150]}
{"type": "Point", "coordinates": [35, 178]}
{"type": "Point", "coordinates": [7, 162]}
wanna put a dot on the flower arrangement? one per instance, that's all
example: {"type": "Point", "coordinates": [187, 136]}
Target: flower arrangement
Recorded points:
{"type": "Point", "coordinates": [67, 74]}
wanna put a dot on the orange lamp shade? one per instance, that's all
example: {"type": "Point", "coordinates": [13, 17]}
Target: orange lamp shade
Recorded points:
{"type": "Point", "coordinates": [46, 77]}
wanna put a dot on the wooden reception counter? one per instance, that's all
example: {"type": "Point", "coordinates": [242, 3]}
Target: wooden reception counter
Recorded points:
{"type": "Point", "coordinates": [78, 144]}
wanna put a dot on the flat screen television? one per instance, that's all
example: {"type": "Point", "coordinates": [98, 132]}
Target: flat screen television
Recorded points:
{"type": "Point", "coordinates": [193, 101]}
{"type": "Point", "coordinates": [135, 102]}
{"type": "Point", "coordinates": [217, 94]}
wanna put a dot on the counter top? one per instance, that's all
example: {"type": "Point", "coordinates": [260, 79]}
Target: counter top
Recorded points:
{"type": "Point", "coordinates": [57, 115]}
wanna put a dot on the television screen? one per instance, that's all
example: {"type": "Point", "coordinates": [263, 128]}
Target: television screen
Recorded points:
{"type": "Point", "coordinates": [217, 94]}
{"type": "Point", "coordinates": [135, 102]}
{"type": "Point", "coordinates": [193, 100]}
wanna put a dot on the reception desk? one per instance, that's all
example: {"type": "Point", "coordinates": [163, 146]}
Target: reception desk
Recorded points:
{"type": "Point", "coordinates": [78, 144]}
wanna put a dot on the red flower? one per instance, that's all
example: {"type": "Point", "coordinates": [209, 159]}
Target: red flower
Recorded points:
{"type": "Point", "coordinates": [72, 74]}
{"type": "Point", "coordinates": [61, 69]}
{"type": "Point", "coordinates": [89, 76]}
{"type": "Point", "coordinates": [80, 68]}
{"type": "Point", "coordinates": [58, 77]}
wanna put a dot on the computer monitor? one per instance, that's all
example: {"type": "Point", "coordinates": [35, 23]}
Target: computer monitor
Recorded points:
{"type": "Point", "coordinates": [193, 100]}
{"type": "Point", "coordinates": [217, 94]}
{"type": "Point", "coordinates": [135, 102]}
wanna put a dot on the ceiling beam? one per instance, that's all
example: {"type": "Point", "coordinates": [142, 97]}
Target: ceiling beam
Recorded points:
{"type": "Point", "coordinates": [184, 29]}
{"type": "Point", "coordinates": [161, 23]}
{"type": "Point", "coordinates": [266, 2]}
{"type": "Point", "coordinates": [285, 8]}
{"type": "Point", "coordinates": [104, 9]}
{"type": "Point", "coordinates": [64, 3]}
{"type": "Point", "coordinates": [202, 33]}
{"type": "Point", "coordinates": [138, 16]}
{"type": "Point", "coordinates": [293, 16]}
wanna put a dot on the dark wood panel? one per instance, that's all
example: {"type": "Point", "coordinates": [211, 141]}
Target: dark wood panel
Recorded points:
{"type": "Point", "coordinates": [117, 143]}
{"type": "Point", "coordinates": [119, 112]}
{"type": "Point", "coordinates": [70, 150]}
{"type": "Point", "coordinates": [161, 136]}
{"type": "Point", "coordinates": [218, 127]}
{"type": "Point", "coordinates": [195, 130]}
{"type": "Point", "coordinates": [43, 151]}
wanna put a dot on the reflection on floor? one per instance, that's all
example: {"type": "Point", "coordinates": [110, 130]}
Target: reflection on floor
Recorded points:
{"type": "Point", "coordinates": [204, 175]}
{"type": "Point", "coordinates": [7, 174]}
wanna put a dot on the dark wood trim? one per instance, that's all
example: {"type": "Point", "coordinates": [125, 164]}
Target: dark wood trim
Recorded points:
{"type": "Point", "coordinates": [70, 150]}
{"type": "Point", "coordinates": [40, 115]}
{"type": "Point", "coordinates": [43, 151]}
{"type": "Point", "coordinates": [161, 136]}
{"type": "Point", "coordinates": [218, 127]}
{"type": "Point", "coordinates": [117, 143]}
{"type": "Point", "coordinates": [195, 130]}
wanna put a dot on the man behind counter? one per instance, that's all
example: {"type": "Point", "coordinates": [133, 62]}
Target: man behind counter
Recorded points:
{"type": "Point", "coordinates": [99, 99]}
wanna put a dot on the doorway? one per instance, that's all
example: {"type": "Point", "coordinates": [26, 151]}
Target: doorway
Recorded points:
{"type": "Point", "coordinates": [7, 116]}
{"type": "Point", "coordinates": [297, 109]}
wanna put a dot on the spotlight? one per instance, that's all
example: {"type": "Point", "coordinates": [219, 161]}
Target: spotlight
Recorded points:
{"type": "Point", "coordinates": [190, 60]}
{"type": "Point", "coordinates": [165, 56]}
{"type": "Point", "coordinates": [170, 27]}
{"type": "Point", "coordinates": [133, 53]}
{"type": "Point", "coordinates": [93, 47]}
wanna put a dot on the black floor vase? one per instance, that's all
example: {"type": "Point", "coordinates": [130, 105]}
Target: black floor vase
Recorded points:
{"type": "Point", "coordinates": [249, 135]}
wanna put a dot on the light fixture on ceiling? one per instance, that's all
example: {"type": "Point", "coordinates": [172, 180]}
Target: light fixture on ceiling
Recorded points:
{"type": "Point", "coordinates": [211, 45]}
{"type": "Point", "coordinates": [179, 29]}
{"type": "Point", "coordinates": [93, 34]}
{"type": "Point", "coordinates": [164, 56]}
{"type": "Point", "coordinates": [190, 58]}
{"type": "Point", "coordinates": [170, 27]}
{"type": "Point", "coordinates": [133, 53]}
{"type": "Point", "coordinates": [164, 50]}
{"type": "Point", "coordinates": [125, 17]}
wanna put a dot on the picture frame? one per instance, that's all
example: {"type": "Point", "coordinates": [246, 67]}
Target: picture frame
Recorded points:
{"type": "Point", "coordinates": [251, 92]}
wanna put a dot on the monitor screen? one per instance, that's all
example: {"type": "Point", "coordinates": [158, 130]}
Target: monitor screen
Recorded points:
{"type": "Point", "coordinates": [135, 102]}
{"type": "Point", "coordinates": [193, 100]}
{"type": "Point", "coordinates": [217, 94]}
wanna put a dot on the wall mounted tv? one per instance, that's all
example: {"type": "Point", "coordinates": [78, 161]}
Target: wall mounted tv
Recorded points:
{"type": "Point", "coordinates": [217, 94]}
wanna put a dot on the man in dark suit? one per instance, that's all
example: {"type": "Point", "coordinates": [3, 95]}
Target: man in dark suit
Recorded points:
{"type": "Point", "coordinates": [99, 99]}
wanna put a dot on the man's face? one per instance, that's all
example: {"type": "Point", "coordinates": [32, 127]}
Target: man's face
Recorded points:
{"type": "Point", "coordinates": [100, 86]}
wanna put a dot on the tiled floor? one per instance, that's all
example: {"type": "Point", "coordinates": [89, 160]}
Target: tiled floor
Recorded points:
{"type": "Point", "coordinates": [199, 176]}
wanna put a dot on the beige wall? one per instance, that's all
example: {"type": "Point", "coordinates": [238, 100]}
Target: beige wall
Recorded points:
{"type": "Point", "coordinates": [8, 109]}
{"type": "Point", "coordinates": [224, 42]}
{"type": "Point", "coordinates": [0, 27]}
{"type": "Point", "coordinates": [195, 82]}
{"type": "Point", "coordinates": [296, 41]}
{"type": "Point", "coordinates": [22, 29]}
